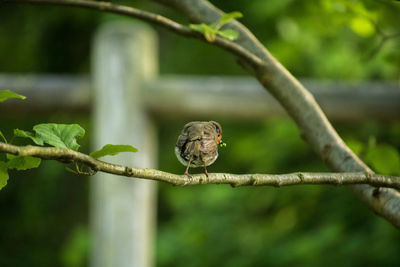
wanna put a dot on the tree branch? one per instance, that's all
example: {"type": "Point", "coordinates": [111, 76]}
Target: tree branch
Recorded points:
{"type": "Point", "coordinates": [277, 180]}
{"type": "Point", "coordinates": [153, 18]}
{"type": "Point", "coordinates": [298, 102]}
{"type": "Point", "coordinates": [302, 107]}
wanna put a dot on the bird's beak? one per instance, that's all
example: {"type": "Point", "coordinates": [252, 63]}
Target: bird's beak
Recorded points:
{"type": "Point", "coordinates": [220, 142]}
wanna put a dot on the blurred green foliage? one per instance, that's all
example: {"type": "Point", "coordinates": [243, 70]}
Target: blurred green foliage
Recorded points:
{"type": "Point", "coordinates": [384, 159]}
{"type": "Point", "coordinates": [301, 225]}
{"type": "Point", "coordinates": [42, 208]}
{"type": "Point", "coordinates": [45, 211]}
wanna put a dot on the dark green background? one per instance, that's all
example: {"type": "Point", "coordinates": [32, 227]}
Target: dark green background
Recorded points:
{"type": "Point", "coordinates": [44, 212]}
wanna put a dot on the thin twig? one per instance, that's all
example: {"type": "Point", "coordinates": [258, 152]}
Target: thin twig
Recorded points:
{"type": "Point", "coordinates": [383, 39]}
{"type": "Point", "coordinates": [153, 18]}
{"type": "Point", "coordinates": [302, 107]}
{"type": "Point", "coordinates": [299, 178]}
{"type": "Point", "coordinates": [297, 101]}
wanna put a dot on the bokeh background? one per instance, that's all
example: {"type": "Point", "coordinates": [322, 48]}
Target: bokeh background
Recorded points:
{"type": "Point", "coordinates": [44, 212]}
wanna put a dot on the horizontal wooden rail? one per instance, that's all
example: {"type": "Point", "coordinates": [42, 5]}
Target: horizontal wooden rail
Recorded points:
{"type": "Point", "coordinates": [205, 96]}
{"type": "Point", "coordinates": [45, 93]}
{"type": "Point", "coordinates": [245, 98]}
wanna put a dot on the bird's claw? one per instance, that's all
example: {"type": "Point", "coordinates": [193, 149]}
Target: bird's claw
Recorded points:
{"type": "Point", "coordinates": [187, 181]}
{"type": "Point", "coordinates": [205, 172]}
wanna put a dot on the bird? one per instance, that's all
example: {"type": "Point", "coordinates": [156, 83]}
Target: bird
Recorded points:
{"type": "Point", "coordinates": [197, 145]}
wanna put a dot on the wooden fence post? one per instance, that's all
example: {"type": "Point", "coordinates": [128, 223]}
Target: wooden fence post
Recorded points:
{"type": "Point", "coordinates": [123, 209]}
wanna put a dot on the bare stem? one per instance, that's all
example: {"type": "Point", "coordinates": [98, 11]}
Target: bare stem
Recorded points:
{"type": "Point", "coordinates": [298, 102]}
{"type": "Point", "coordinates": [153, 18]}
{"type": "Point", "coordinates": [299, 178]}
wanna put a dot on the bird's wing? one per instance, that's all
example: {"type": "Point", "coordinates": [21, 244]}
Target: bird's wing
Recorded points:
{"type": "Point", "coordinates": [182, 140]}
{"type": "Point", "coordinates": [191, 140]}
{"type": "Point", "coordinates": [194, 131]}
{"type": "Point", "coordinates": [188, 147]}
{"type": "Point", "coordinates": [192, 148]}
{"type": "Point", "coordinates": [208, 145]}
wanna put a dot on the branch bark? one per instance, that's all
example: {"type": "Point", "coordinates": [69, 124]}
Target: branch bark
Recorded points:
{"type": "Point", "coordinates": [302, 107]}
{"type": "Point", "coordinates": [299, 103]}
{"type": "Point", "coordinates": [151, 18]}
{"type": "Point", "coordinates": [300, 178]}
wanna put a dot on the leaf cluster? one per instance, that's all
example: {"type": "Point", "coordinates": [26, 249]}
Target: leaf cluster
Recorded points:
{"type": "Point", "coordinates": [53, 134]}
{"type": "Point", "coordinates": [210, 31]}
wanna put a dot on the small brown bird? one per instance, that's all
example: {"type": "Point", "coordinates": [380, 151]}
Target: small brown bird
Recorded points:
{"type": "Point", "coordinates": [197, 145]}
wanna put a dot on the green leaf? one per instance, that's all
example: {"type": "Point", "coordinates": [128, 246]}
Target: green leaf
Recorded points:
{"type": "Point", "coordinates": [58, 135]}
{"type": "Point", "coordinates": [383, 159]}
{"type": "Point", "coordinates": [6, 94]}
{"type": "Point", "coordinates": [27, 134]}
{"type": "Point", "coordinates": [208, 31]}
{"type": "Point", "coordinates": [2, 136]}
{"type": "Point", "coordinates": [22, 163]}
{"type": "Point", "coordinates": [71, 170]}
{"type": "Point", "coordinates": [3, 174]}
{"type": "Point", "coordinates": [197, 27]}
{"type": "Point", "coordinates": [229, 34]}
{"type": "Point", "coordinates": [111, 150]}
{"type": "Point", "coordinates": [228, 17]}
{"type": "Point", "coordinates": [210, 36]}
